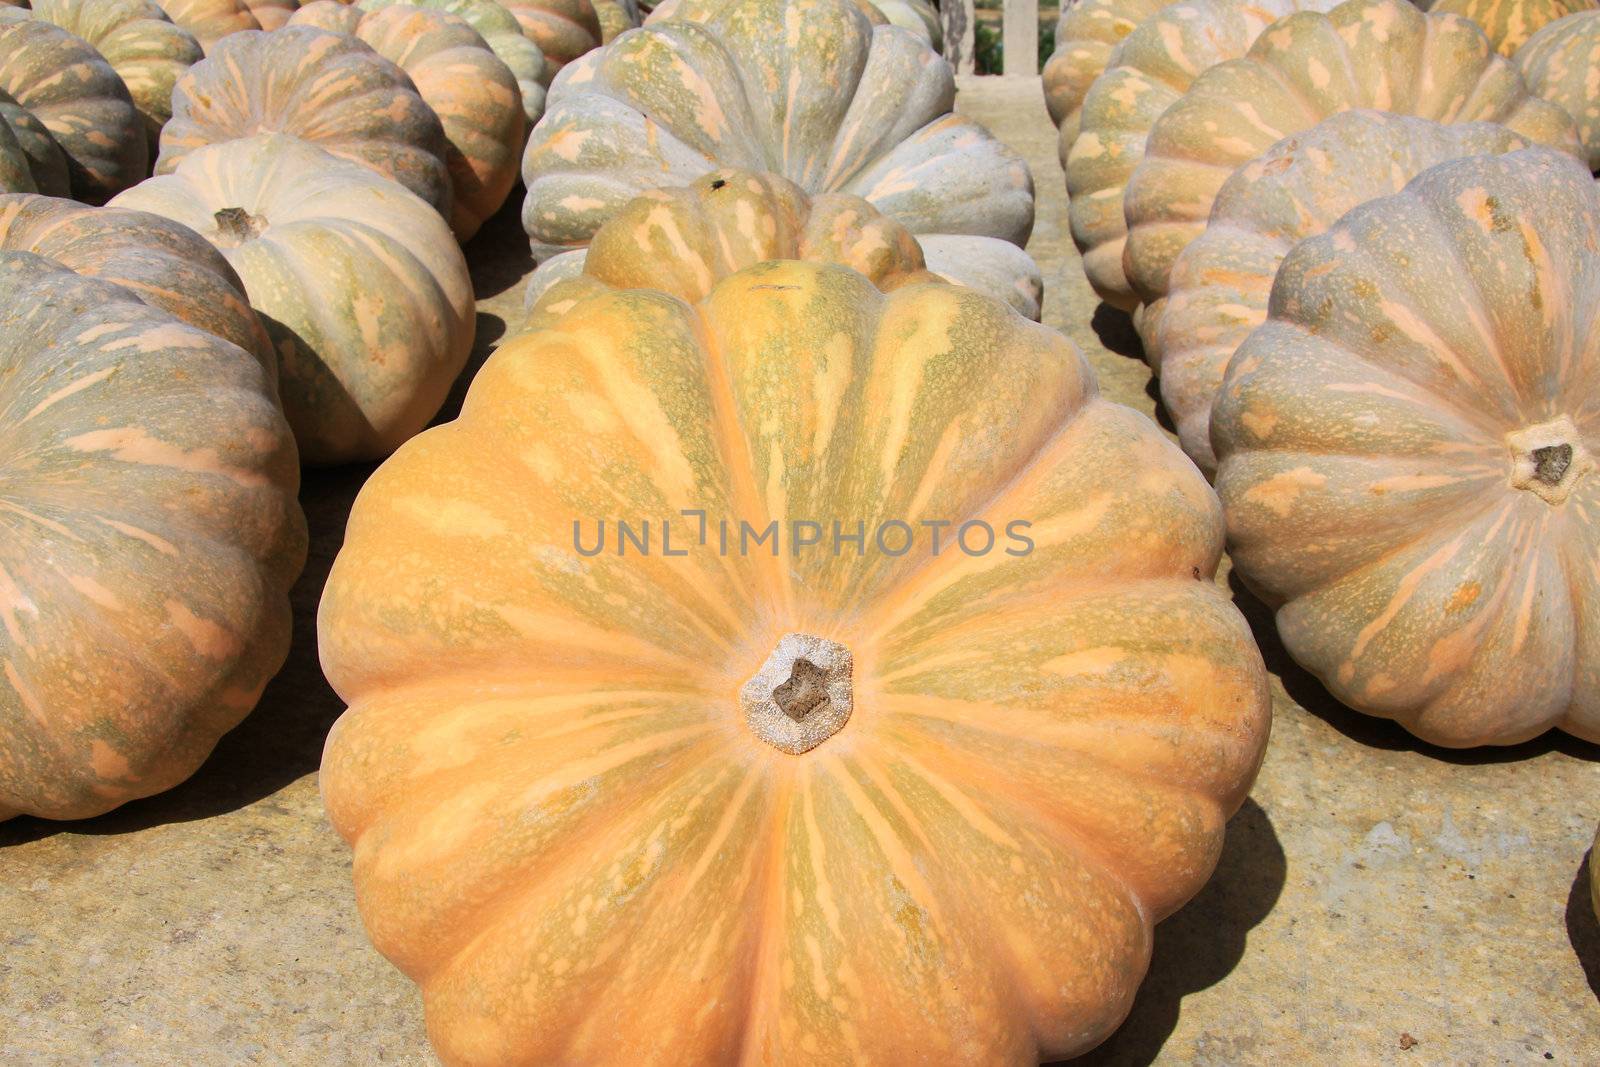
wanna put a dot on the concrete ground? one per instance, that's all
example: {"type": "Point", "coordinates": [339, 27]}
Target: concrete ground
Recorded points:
{"type": "Point", "coordinates": [1378, 901]}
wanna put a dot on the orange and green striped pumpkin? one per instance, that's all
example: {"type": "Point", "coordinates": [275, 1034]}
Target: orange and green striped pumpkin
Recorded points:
{"type": "Point", "coordinates": [472, 92]}
{"type": "Point", "coordinates": [616, 17]}
{"type": "Point", "coordinates": [874, 807]}
{"type": "Point", "coordinates": [1407, 453]}
{"type": "Point", "coordinates": [1559, 64]}
{"type": "Point", "coordinates": [562, 29]}
{"type": "Point", "coordinates": [327, 89]}
{"type": "Point", "coordinates": [30, 159]}
{"type": "Point", "coordinates": [1087, 35]}
{"type": "Point", "coordinates": [1509, 23]}
{"type": "Point", "coordinates": [359, 283]}
{"type": "Point", "coordinates": [150, 536]}
{"type": "Point", "coordinates": [210, 20]}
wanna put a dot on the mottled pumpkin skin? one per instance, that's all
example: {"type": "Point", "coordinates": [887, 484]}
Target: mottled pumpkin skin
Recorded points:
{"type": "Point", "coordinates": [563, 29]}
{"type": "Point", "coordinates": [683, 241]}
{"type": "Point", "coordinates": [472, 92]}
{"type": "Point", "coordinates": [1152, 67]}
{"type": "Point", "coordinates": [1382, 54]}
{"type": "Point", "coordinates": [70, 92]}
{"type": "Point", "coordinates": [919, 16]}
{"type": "Point", "coordinates": [808, 89]}
{"type": "Point", "coordinates": [210, 20]}
{"type": "Point", "coordinates": [360, 284]}
{"type": "Point", "coordinates": [149, 534]}
{"type": "Point", "coordinates": [1509, 23]}
{"type": "Point", "coordinates": [328, 89]}
{"type": "Point", "coordinates": [273, 14]}
{"type": "Point", "coordinates": [503, 36]}
{"type": "Point", "coordinates": [1087, 35]}
{"type": "Point", "coordinates": [554, 799]}
{"type": "Point", "coordinates": [16, 168]}
{"type": "Point", "coordinates": [162, 263]}
{"type": "Point", "coordinates": [1381, 436]}
{"type": "Point", "coordinates": [1297, 189]}
{"type": "Point", "coordinates": [1559, 65]}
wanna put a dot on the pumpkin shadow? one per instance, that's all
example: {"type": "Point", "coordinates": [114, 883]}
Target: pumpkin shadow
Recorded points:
{"type": "Point", "coordinates": [1583, 929]}
{"type": "Point", "coordinates": [490, 329]}
{"type": "Point", "coordinates": [1201, 944]}
{"type": "Point", "coordinates": [499, 255]}
{"type": "Point", "coordinates": [1306, 690]}
{"type": "Point", "coordinates": [1116, 332]}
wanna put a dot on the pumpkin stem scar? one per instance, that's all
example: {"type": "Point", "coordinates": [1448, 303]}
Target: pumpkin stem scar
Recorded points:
{"type": "Point", "coordinates": [802, 695]}
{"type": "Point", "coordinates": [237, 225]}
{"type": "Point", "coordinates": [1551, 462]}
{"type": "Point", "coordinates": [1548, 459]}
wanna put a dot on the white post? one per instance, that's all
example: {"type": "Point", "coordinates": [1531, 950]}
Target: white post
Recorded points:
{"type": "Point", "coordinates": [1021, 37]}
{"type": "Point", "coordinates": [957, 19]}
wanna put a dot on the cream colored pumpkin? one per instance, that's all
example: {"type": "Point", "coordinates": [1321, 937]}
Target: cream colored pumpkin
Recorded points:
{"type": "Point", "coordinates": [360, 284]}
{"type": "Point", "coordinates": [1298, 188]}
{"type": "Point", "coordinates": [1407, 453]}
{"type": "Point", "coordinates": [589, 812]}
{"type": "Point", "coordinates": [1381, 54]}
{"type": "Point", "coordinates": [1559, 64]}
{"type": "Point", "coordinates": [1509, 23]}
{"type": "Point", "coordinates": [808, 89]}
{"type": "Point", "coordinates": [1087, 35]}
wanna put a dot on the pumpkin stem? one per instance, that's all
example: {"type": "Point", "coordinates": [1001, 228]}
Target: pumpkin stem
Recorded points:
{"type": "Point", "coordinates": [802, 695]}
{"type": "Point", "coordinates": [1548, 459]}
{"type": "Point", "coordinates": [238, 225]}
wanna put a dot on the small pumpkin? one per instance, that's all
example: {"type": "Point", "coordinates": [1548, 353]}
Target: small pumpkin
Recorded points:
{"type": "Point", "coordinates": [734, 83]}
{"type": "Point", "coordinates": [1509, 23]}
{"type": "Point", "coordinates": [883, 807]}
{"type": "Point", "coordinates": [151, 535]}
{"type": "Point", "coordinates": [328, 89]}
{"type": "Point", "coordinates": [162, 263]}
{"type": "Point", "coordinates": [562, 29]}
{"type": "Point", "coordinates": [210, 20]}
{"type": "Point", "coordinates": [1363, 54]}
{"type": "Point", "coordinates": [77, 111]}
{"type": "Point", "coordinates": [1558, 64]}
{"type": "Point", "coordinates": [683, 241]}
{"type": "Point", "coordinates": [1087, 35]}
{"type": "Point", "coordinates": [1407, 453]}
{"type": "Point", "coordinates": [147, 50]}
{"type": "Point", "coordinates": [1296, 189]}
{"type": "Point", "coordinates": [1152, 67]}
{"type": "Point", "coordinates": [472, 92]}
{"type": "Point", "coordinates": [359, 283]}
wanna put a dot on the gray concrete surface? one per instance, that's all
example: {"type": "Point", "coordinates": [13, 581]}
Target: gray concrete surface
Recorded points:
{"type": "Point", "coordinates": [1377, 902]}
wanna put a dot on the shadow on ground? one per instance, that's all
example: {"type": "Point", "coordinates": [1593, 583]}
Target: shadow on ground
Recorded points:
{"type": "Point", "coordinates": [1583, 929]}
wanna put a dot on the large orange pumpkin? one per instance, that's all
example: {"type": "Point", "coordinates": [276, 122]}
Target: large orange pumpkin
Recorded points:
{"type": "Point", "coordinates": [783, 805]}
{"type": "Point", "coordinates": [1407, 452]}
{"type": "Point", "coordinates": [150, 536]}
{"type": "Point", "coordinates": [328, 89]}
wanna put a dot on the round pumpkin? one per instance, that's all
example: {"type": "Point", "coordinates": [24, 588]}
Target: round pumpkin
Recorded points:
{"type": "Point", "coordinates": [879, 807]}
{"type": "Point", "coordinates": [737, 85]}
{"type": "Point", "coordinates": [359, 283]}
{"type": "Point", "coordinates": [1509, 23]}
{"type": "Point", "coordinates": [472, 92]}
{"type": "Point", "coordinates": [504, 38]}
{"type": "Point", "coordinates": [210, 20]}
{"type": "Point", "coordinates": [162, 263]}
{"type": "Point", "coordinates": [1558, 64]}
{"type": "Point", "coordinates": [74, 102]}
{"type": "Point", "coordinates": [615, 17]}
{"type": "Point", "coordinates": [328, 89]}
{"type": "Point", "coordinates": [151, 535]}
{"type": "Point", "coordinates": [683, 241]}
{"type": "Point", "coordinates": [1407, 453]}
{"type": "Point", "coordinates": [146, 49]}
{"type": "Point", "coordinates": [563, 29]}
{"type": "Point", "coordinates": [1152, 67]}
{"type": "Point", "coordinates": [1087, 35]}
{"type": "Point", "coordinates": [1296, 189]}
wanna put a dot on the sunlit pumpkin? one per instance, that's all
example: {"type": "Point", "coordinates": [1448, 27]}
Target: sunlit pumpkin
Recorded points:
{"type": "Point", "coordinates": [886, 807]}
{"type": "Point", "coordinates": [563, 29]}
{"type": "Point", "coordinates": [1407, 452]}
{"type": "Point", "coordinates": [210, 20]}
{"type": "Point", "coordinates": [1087, 34]}
{"type": "Point", "coordinates": [1509, 23]}
{"type": "Point", "coordinates": [1559, 64]}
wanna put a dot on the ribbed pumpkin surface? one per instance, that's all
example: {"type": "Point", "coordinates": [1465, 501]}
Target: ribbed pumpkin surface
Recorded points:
{"type": "Point", "coordinates": [1560, 64]}
{"type": "Point", "coordinates": [148, 537]}
{"type": "Point", "coordinates": [359, 283]}
{"type": "Point", "coordinates": [210, 20]}
{"type": "Point", "coordinates": [1087, 35]}
{"type": "Point", "coordinates": [563, 29]}
{"type": "Point", "coordinates": [616, 17]}
{"type": "Point", "coordinates": [1407, 450]}
{"type": "Point", "coordinates": [1509, 23]}
{"type": "Point", "coordinates": [555, 799]}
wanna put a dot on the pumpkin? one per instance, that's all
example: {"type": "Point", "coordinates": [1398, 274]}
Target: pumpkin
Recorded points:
{"type": "Point", "coordinates": [1509, 23]}
{"type": "Point", "coordinates": [162, 263]}
{"type": "Point", "coordinates": [78, 112]}
{"type": "Point", "coordinates": [472, 92]}
{"type": "Point", "coordinates": [921, 17]}
{"type": "Point", "coordinates": [1298, 188]}
{"type": "Point", "coordinates": [563, 29]}
{"type": "Point", "coordinates": [808, 89]}
{"type": "Point", "coordinates": [1407, 453]}
{"type": "Point", "coordinates": [1558, 63]}
{"type": "Point", "coordinates": [151, 536]}
{"type": "Point", "coordinates": [1381, 54]}
{"type": "Point", "coordinates": [273, 14]}
{"type": "Point", "coordinates": [210, 20]}
{"type": "Point", "coordinates": [359, 283]}
{"type": "Point", "coordinates": [504, 38]}
{"type": "Point", "coordinates": [16, 171]}
{"type": "Point", "coordinates": [1086, 37]}
{"type": "Point", "coordinates": [683, 241]}
{"type": "Point", "coordinates": [877, 808]}
{"type": "Point", "coordinates": [146, 49]}
{"type": "Point", "coordinates": [616, 16]}
{"type": "Point", "coordinates": [328, 89]}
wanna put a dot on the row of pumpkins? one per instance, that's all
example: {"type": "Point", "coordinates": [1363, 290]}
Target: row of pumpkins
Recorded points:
{"type": "Point", "coordinates": [860, 804]}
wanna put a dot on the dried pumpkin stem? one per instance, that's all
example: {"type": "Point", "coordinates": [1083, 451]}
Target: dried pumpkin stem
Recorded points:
{"type": "Point", "coordinates": [802, 695]}
{"type": "Point", "coordinates": [238, 225]}
{"type": "Point", "coordinates": [1547, 460]}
